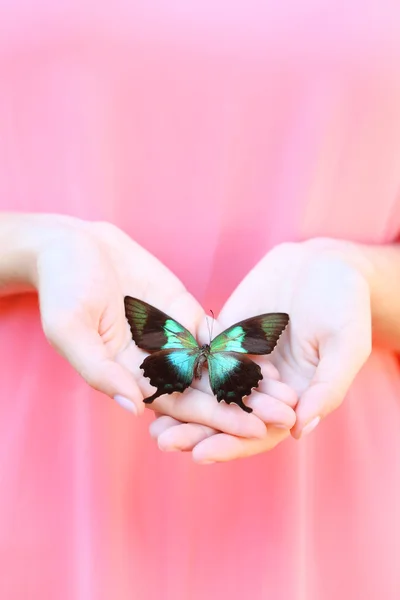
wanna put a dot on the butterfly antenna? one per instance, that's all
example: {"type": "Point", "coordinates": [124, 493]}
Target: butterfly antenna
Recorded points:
{"type": "Point", "coordinates": [212, 324]}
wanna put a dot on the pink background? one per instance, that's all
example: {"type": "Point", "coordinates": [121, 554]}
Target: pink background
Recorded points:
{"type": "Point", "coordinates": [209, 131]}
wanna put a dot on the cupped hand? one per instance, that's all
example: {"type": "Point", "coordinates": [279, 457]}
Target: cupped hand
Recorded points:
{"type": "Point", "coordinates": [83, 272]}
{"type": "Point", "coordinates": [322, 287]}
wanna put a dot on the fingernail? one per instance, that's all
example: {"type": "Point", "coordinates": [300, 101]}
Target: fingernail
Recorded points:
{"type": "Point", "coordinates": [206, 462]}
{"type": "Point", "coordinates": [127, 404]}
{"type": "Point", "coordinates": [311, 425]}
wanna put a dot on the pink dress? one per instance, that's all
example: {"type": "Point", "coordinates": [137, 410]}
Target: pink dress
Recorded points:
{"type": "Point", "coordinates": [238, 124]}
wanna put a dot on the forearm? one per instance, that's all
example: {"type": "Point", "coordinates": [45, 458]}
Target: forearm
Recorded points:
{"type": "Point", "coordinates": [16, 252]}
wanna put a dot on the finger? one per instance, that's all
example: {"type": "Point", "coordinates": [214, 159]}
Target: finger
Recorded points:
{"type": "Point", "coordinates": [341, 358]}
{"type": "Point", "coordinates": [271, 410]}
{"type": "Point", "coordinates": [198, 405]}
{"type": "Point", "coordinates": [269, 370]}
{"type": "Point", "coordinates": [278, 390]}
{"type": "Point", "coordinates": [173, 435]}
{"type": "Point", "coordinates": [161, 424]}
{"type": "Point", "coordinates": [84, 349]}
{"type": "Point", "coordinates": [223, 447]}
{"type": "Point", "coordinates": [194, 406]}
{"type": "Point", "coordinates": [183, 437]}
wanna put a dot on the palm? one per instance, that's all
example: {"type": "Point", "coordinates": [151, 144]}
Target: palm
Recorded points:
{"type": "Point", "coordinates": [327, 301]}
{"type": "Point", "coordinates": [320, 353]}
{"type": "Point", "coordinates": [83, 275]}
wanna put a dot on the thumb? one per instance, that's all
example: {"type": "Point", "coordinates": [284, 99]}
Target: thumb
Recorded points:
{"type": "Point", "coordinates": [341, 357]}
{"type": "Point", "coordinates": [85, 350]}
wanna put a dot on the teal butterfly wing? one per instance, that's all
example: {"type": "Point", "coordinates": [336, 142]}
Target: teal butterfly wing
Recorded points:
{"type": "Point", "coordinates": [173, 349]}
{"type": "Point", "coordinates": [169, 370]}
{"type": "Point", "coordinates": [256, 335]}
{"type": "Point", "coordinates": [175, 354]}
{"type": "Point", "coordinates": [153, 330]}
{"type": "Point", "coordinates": [233, 375]}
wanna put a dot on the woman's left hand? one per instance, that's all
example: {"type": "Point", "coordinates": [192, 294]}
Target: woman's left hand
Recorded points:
{"type": "Point", "coordinates": [322, 287]}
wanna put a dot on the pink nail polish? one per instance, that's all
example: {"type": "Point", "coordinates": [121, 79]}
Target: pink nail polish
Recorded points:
{"type": "Point", "coordinates": [311, 425]}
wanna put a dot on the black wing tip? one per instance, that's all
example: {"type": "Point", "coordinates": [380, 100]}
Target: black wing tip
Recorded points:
{"type": "Point", "coordinates": [238, 402]}
{"type": "Point", "coordinates": [286, 318]}
{"type": "Point", "coordinates": [129, 302]}
{"type": "Point", "coordinates": [242, 391]}
{"type": "Point", "coordinates": [151, 399]}
{"type": "Point", "coordinates": [130, 299]}
{"type": "Point", "coordinates": [285, 322]}
{"type": "Point", "coordinates": [278, 315]}
{"type": "Point", "coordinates": [281, 315]}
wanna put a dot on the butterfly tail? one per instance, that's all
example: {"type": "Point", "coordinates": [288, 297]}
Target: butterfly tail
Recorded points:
{"type": "Point", "coordinates": [156, 394]}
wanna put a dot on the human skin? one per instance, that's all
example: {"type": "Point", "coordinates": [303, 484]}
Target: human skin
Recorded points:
{"type": "Point", "coordinates": [82, 271]}
{"type": "Point", "coordinates": [336, 293]}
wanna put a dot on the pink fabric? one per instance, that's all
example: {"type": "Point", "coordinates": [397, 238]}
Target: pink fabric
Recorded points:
{"type": "Point", "coordinates": [209, 131]}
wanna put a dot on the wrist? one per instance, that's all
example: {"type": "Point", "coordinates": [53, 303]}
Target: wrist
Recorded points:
{"type": "Point", "coordinates": [22, 238]}
{"type": "Point", "coordinates": [356, 254]}
{"type": "Point", "coordinates": [379, 265]}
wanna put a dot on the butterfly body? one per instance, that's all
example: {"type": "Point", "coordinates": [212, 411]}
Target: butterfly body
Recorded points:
{"type": "Point", "coordinates": [176, 358]}
{"type": "Point", "coordinates": [201, 359]}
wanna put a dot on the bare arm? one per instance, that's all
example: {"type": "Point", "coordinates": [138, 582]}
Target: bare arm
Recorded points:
{"type": "Point", "coordinates": [16, 252]}
{"type": "Point", "coordinates": [21, 235]}
{"type": "Point", "coordinates": [384, 278]}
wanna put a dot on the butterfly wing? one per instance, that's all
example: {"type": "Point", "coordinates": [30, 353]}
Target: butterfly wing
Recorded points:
{"type": "Point", "coordinates": [169, 370]}
{"type": "Point", "coordinates": [170, 366]}
{"type": "Point", "coordinates": [153, 330]}
{"type": "Point", "coordinates": [174, 350]}
{"type": "Point", "coordinates": [257, 335]}
{"type": "Point", "coordinates": [233, 375]}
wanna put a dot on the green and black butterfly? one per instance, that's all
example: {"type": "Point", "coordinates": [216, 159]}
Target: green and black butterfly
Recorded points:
{"type": "Point", "coordinates": [176, 357]}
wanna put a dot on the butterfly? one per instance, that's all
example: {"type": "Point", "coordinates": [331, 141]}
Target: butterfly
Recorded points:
{"type": "Point", "coordinates": [176, 358]}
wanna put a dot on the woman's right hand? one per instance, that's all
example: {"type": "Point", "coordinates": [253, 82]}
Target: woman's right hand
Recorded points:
{"type": "Point", "coordinates": [82, 271]}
